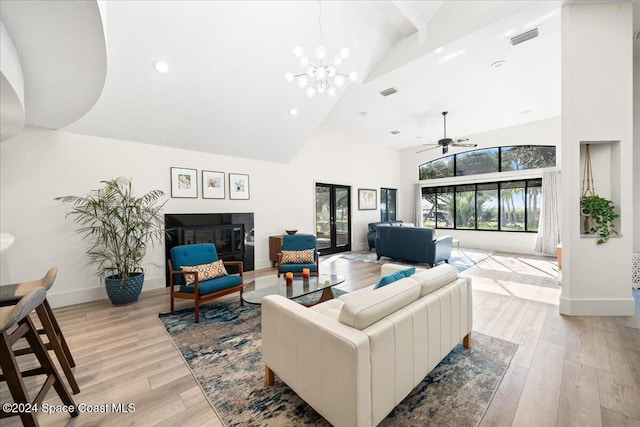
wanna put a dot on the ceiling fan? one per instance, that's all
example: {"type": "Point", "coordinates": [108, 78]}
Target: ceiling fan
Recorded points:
{"type": "Point", "coordinates": [446, 142]}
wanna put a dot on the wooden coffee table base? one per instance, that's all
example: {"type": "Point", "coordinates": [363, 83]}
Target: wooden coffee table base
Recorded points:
{"type": "Point", "coordinates": [327, 294]}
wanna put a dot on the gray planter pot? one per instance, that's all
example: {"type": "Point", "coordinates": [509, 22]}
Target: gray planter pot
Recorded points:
{"type": "Point", "coordinates": [124, 293]}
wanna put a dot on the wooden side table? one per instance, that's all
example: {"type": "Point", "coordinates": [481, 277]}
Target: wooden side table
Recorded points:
{"type": "Point", "coordinates": [275, 247]}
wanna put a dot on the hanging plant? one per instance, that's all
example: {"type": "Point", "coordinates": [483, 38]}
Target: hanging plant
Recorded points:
{"type": "Point", "coordinates": [600, 214]}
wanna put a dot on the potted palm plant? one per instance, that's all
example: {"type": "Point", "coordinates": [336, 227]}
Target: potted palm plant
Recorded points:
{"type": "Point", "coordinates": [118, 226]}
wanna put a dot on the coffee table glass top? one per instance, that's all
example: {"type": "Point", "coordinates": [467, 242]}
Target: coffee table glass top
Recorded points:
{"type": "Point", "coordinates": [260, 287]}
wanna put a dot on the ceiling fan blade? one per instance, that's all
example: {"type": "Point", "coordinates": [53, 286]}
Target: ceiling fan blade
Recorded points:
{"type": "Point", "coordinates": [460, 140]}
{"type": "Point", "coordinates": [427, 149]}
{"type": "Point", "coordinates": [455, 144]}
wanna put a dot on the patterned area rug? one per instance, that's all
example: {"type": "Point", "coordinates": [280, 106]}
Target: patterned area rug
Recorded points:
{"type": "Point", "coordinates": [224, 353]}
{"type": "Point", "coordinates": [461, 259]}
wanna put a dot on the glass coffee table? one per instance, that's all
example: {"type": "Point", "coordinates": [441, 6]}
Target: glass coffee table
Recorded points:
{"type": "Point", "coordinates": [260, 287]}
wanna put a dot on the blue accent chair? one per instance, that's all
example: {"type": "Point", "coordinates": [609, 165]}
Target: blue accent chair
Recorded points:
{"type": "Point", "coordinates": [299, 242]}
{"type": "Point", "coordinates": [199, 292]}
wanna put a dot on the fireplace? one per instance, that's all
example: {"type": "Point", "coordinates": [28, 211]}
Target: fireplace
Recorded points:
{"type": "Point", "coordinates": [232, 233]}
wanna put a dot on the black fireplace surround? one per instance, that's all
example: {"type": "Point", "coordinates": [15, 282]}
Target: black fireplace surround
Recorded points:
{"type": "Point", "coordinates": [232, 233]}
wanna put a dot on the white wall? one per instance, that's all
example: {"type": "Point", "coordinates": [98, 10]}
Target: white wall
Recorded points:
{"type": "Point", "coordinates": [636, 152]}
{"type": "Point", "coordinates": [543, 132]}
{"type": "Point", "coordinates": [38, 165]}
{"type": "Point", "coordinates": [597, 105]}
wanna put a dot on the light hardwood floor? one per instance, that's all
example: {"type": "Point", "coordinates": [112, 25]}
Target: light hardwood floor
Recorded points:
{"type": "Point", "coordinates": [567, 370]}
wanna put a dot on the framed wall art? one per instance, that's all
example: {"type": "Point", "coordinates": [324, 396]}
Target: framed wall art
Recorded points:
{"type": "Point", "coordinates": [367, 199]}
{"type": "Point", "coordinates": [238, 186]}
{"type": "Point", "coordinates": [213, 185]}
{"type": "Point", "coordinates": [184, 183]}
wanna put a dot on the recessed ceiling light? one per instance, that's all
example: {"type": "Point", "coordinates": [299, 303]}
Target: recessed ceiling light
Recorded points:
{"type": "Point", "coordinates": [526, 112]}
{"type": "Point", "coordinates": [362, 113]}
{"type": "Point", "coordinates": [293, 112]}
{"type": "Point", "coordinates": [161, 67]}
{"type": "Point", "coordinates": [395, 132]}
{"type": "Point", "coordinates": [498, 64]}
{"type": "Point", "coordinates": [418, 137]}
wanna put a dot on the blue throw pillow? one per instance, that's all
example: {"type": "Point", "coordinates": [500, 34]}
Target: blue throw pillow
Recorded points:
{"type": "Point", "coordinates": [408, 272]}
{"type": "Point", "coordinates": [389, 278]}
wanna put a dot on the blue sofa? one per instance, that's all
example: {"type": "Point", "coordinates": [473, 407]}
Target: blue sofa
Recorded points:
{"type": "Point", "coordinates": [413, 244]}
{"type": "Point", "coordinates": [373, 226]}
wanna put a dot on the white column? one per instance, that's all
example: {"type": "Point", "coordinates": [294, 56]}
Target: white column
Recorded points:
{"type": "Point", "coordinates": [597, 108]}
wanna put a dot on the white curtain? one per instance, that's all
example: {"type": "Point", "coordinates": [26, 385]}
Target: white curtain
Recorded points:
{"type": "Point", "coordinates": [418, 206]}
{"type": "Point", "coordinates": [549, 225]}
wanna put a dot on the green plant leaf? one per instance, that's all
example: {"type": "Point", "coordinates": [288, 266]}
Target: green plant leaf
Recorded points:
{"type": "Point", "coordinates": [117, 225]}
{"type": "Point", "coordinates": [601, 215]}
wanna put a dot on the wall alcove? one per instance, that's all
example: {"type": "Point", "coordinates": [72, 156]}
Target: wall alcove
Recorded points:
{"type": "Point", "coordinates": [605, 165]}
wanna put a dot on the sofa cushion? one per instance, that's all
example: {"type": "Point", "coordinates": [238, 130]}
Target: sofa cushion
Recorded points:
{"type": "Point", "coordinates": [330, 308]}
{"type": "Point", "coordinates": [369, 307]}
{"type": "Point", "coordinates": [213, 285]}
{"type": "Point", "coordinates": [435, 278]}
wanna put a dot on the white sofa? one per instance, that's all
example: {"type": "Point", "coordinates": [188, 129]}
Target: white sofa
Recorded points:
{"type": "Point", "coordinates": [353, 359]}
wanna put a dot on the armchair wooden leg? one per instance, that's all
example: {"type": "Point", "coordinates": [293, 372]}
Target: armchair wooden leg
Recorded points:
{"type": "Point", "coordinates": [466, 341]}
{"type": "Point", "coordinates": [197, 310]}
{"type": "Point", "coordinates": [268, 376]}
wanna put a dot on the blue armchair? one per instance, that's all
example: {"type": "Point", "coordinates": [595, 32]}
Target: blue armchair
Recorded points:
{"type": "Point", "coordinates": [298, 242]}
{"type": "Point", "coordinates": [197, 284]}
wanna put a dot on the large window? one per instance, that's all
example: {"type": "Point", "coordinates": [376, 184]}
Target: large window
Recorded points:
{"type": "Point", "coordinates": [477, 162]}
{"type": "Point", "coordinates": [440, 168]}
{"type": "Point", "coordinates": [488, 160]}
{"type": "Point", "coordinates": [388, 198]}
{"type": "Point", "coordinates": [500, 206]}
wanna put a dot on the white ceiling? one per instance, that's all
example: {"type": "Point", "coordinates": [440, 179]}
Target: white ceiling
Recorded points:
{"type": "Point", "coordinates": [225, 91]}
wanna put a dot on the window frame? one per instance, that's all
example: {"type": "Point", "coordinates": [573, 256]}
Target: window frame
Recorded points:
{"type": "Point", "coordinates": [384, 201]}
{"type": "Point", "coordinates": [499, 159]}
{"type": "Point", "coordinates": [435, 191]}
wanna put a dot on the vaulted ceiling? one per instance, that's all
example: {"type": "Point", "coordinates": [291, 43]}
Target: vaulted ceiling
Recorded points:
{"type": "Point", "coordinates": [88, 69]}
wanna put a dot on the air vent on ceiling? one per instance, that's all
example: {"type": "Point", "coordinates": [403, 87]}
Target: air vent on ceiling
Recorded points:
{"type": "Point", "coordinates": [389, 91]}
{"type": "Point", "coordinates": [395, 132]}
{"type": "Point", "coordinates": [636, 35]}
{"type": "Point", "coordinates": [527, 35]}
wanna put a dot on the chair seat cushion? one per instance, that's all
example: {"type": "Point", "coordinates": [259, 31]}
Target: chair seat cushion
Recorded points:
{"type": "Point", "coordinates": [296, 268]}
{"type": "Point", "coordinates": [213, 285]}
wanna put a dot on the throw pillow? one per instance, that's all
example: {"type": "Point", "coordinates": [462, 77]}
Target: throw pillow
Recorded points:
{"type": "Point", "coordinates": [297, 257]}
{"type": "Point", "coordinates": [205, 271]}
{"type": "Point", "coordinates": [389, 278]}
{"type": "Point", "coordinates": [409, 271]}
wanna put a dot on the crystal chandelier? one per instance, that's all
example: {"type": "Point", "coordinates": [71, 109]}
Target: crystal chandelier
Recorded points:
{"type": "Point", "coordinates": [321, 76]}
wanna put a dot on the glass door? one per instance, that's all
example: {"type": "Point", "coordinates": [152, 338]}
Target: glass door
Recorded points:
{"type": "Point", "coordinates": [333, 218]}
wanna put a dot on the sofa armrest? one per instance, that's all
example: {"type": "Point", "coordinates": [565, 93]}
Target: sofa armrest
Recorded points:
{"type": "Point", "coordinates": [325, 362]}
{"type": "Point", "coordinates": [443, 247]}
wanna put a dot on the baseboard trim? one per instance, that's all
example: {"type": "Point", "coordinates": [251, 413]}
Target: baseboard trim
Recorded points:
{"type": "Point", "coordinates": [79, 296]}
{"type": "Point", "coordinates": [597, 307]}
